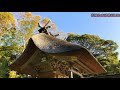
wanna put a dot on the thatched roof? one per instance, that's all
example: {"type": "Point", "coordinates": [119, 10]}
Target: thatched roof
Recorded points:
{"type": "Point", "coordinates": [43, 50]}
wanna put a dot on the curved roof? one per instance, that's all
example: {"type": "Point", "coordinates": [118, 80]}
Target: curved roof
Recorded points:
{"type": "Point", "coordinates": [49, 44]}
{"type": "Point", "coordinates": [41, 44]}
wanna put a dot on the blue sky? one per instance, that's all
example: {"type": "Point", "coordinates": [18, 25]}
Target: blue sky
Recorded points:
{"type": "Point", "coordinates": [107, 28]}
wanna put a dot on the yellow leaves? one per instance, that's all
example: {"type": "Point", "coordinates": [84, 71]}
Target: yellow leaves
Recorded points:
{"type": "Point", "coordinates": [45, 20]}
{"type": "Point", "coordinates": [2, 16]}
{"type": "Point", "coordinates": [25, 23]}
{"type": "Point", "coordinates": [34, 22]}
{"type": "Point", "coordinates": [12, 74]}
{"type": "Point", "coordinates": [29, 23]}
{"type": "Point", "coordinates": [1, 32]}
{"type": "Point", "coordinates": [28, 20]}
{"type": "Point", "coordinates": [28, 30]}
{"type": "Point", "coordinates": [28, 15]}
{"type": "Point", "coordinates": [22, 23]}
{"type": "Point", "coordinates": [25, 14]}
{"type": "Point", "coordinates": [37, 17]}
{"type": "Point", "coordinates": [7, 18]}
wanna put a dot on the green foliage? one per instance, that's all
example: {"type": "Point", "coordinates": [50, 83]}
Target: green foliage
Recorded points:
{"type": "Point", "coordinates": [11, 46]}
{"type": "Point", "coordinates": [14, 36]}
{"type": "Point", "coordinates": [4, 68]}
{"type": "Point", "coordinates": [103, 50]}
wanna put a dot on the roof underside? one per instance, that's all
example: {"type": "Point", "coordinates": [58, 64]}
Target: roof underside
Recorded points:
{"type": "Point", "coordinates": [46, 54]}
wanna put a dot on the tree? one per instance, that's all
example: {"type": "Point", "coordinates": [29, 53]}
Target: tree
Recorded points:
{"type": "Point", "coordinates": [8, 42]}
{"type": "Point", "coordinates": [6, 21]}
{"type": "Point", "coordinates": [103, 50]}
{"type": "Point", "coordinates": [14, 35]}
{"type": "Point", "coordinates": [11, 40]}
{"type": "Point", "coordinates": [27, 24]}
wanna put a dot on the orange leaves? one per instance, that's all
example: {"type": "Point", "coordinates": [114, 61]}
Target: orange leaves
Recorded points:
{"type": "Point", "coordinates": [34, 22]}
{"type": "Point", "coordinates": [28, 15]}
{"type": "Point", "coordinates": [45, 20]}
{"type": "Point", "coordinates": [1, 33]}
{"type": "Point", "coordinates": [37, 17]}
{"type": "Point", "coordinates": [7, 18]}
{"type": "Point", "coordinates": [53, 26]}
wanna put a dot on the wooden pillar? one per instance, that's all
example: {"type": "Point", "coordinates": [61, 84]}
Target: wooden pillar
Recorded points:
{"type": "Point", "coordinates": [79, 74]}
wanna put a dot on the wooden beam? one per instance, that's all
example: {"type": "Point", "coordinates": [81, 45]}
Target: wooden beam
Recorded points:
{"type": "Point", "coordinates": [79, 68]}
{"type": "Point", "coordinates": [79, 74]}
{"type": "Point", "coordinates": [71, 74]}
{"type": "Point", "coordinates": [84, 67]}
